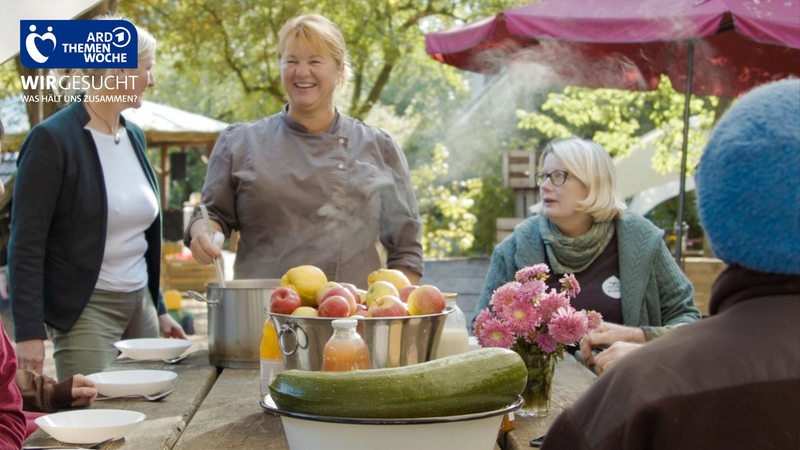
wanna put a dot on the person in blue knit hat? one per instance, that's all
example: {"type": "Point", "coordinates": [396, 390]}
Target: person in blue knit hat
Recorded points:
{"type": "Point", "coordinates": [730, 381]}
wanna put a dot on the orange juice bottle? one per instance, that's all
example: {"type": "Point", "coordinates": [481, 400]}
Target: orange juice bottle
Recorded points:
{"type": "Point", "coordinates": [271, 357]}
{"type": "Point", "coordinates": [345, 350]}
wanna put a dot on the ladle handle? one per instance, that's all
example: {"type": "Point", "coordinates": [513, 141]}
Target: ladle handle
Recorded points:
{"type": "Point", "coordinates": [210, 231]}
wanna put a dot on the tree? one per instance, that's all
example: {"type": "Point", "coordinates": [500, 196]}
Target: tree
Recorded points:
{"type": "Point", "coordinates": [444, 206]}
{"type": "Point", "coordinates": [223, 54]}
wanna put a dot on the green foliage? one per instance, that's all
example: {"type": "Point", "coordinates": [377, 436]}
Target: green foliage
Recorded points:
{"type": "Point", "coordinates": [617, 119]}
{"type": "Point", "coordinates": [445, 207]}
{"type": "Point", "coordinates": [493, 201]}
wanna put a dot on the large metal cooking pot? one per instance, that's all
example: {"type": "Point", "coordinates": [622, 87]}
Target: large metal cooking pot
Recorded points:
{"type": "Point", "coordinates": [236, 315]}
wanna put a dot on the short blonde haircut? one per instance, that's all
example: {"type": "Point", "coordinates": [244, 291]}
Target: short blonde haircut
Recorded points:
{"type": "Point", "coordinates": [319, 33]}
{"type": "Point", "coordinates": [590, 163]}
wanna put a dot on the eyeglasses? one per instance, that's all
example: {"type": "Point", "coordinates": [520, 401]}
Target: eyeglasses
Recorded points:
{"type": "Point", "coordinates": [557, 177]}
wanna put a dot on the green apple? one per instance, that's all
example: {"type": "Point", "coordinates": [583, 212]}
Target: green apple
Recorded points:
{"type": "Point", "coordinates": [305, 311]}
{"type": "Point", "coordinates": [379, 289]}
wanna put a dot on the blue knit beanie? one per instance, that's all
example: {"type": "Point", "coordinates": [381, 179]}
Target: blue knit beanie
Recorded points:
{"type": "Point", "coordinates": [748, 182]}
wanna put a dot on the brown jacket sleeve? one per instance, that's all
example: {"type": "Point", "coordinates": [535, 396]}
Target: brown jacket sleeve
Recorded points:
{"type": "Point", "coordinates": [41, 393]}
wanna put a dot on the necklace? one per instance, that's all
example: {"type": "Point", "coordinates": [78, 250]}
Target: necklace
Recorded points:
{"type": "Point", "coordinates": [116, 134]}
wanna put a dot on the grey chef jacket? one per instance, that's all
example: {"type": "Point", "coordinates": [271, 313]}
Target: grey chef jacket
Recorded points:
{"type": "Point", "coordinates": [324, 199]}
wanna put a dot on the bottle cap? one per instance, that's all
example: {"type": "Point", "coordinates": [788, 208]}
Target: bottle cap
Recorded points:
{"type": "Point", "coordinates": [344, 323]}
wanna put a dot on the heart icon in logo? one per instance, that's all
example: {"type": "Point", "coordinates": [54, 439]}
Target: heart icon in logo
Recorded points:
{"type": "Point", "coordinates": [40, 47]}
{"type": "Point", "coordinates": [45, 44]}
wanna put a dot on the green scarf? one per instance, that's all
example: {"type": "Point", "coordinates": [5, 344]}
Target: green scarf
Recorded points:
{"type": "Point", "coordinates": [573, 255]}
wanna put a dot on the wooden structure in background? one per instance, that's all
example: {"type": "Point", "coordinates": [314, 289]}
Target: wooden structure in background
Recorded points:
{"type": "Point", "coordinates": [169, 128]}
{"type": "Point", "coordinates": [519, 174]}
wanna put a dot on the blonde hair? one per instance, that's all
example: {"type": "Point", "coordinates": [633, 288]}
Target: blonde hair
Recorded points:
{"type": "Point", "coordinates": [319, 33]}
{"type": "Point", "coordinates": [590, 163]}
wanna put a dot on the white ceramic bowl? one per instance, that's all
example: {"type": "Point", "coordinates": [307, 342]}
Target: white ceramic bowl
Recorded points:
{"type": "Point", "coordinates": [87, 426]}
{"type": "Point", "coordinates": [132, 382]}
{"type": "Point", "coordinates": [152, 348]}
{"type": "Point", "coordinates": [476, 431]}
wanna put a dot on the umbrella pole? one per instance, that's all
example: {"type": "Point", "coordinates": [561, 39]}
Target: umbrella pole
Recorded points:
{"type": "Point", "coordinates": [679, 237]}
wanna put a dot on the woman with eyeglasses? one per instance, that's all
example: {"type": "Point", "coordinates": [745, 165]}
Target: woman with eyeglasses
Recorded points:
{"type": "Point", "coordinates": [622, 264]}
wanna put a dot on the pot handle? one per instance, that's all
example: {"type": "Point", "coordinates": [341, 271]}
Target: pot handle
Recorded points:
{"type": "Point", "coordinates": [300, 338]}
{"type": "Point", "coordinates": [197, 296]}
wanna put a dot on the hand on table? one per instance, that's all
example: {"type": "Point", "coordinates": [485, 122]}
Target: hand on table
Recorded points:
{"type": "Point", "coordinates": [83, 391]}
{"type": "Point", "coordinates": [609, 356]}
{"type": "Point", "coordinates": [607, 336]}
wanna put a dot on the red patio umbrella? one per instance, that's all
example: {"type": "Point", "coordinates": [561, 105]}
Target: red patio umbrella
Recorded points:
{"type": "Point", "coordinates": [706, 47]}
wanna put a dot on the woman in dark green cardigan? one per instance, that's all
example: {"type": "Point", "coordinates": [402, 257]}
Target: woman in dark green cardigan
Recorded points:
{"type": "Point", "coordinates": [85, 246]}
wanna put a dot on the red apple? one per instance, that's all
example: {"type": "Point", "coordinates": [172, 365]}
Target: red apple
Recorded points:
{"type": "Point", "coordinates": [324, 289]}
{"type": "Point", "coordinates": [343, 292]}
{"type": "Point", "coordinates": [406, 291]}
{"type": "Point", "coordinates": [426, 299]}
{"type": "Point", "coordinates": [387, 306]}
{"type": "Point", "coordinates": [353, 290]}
{"type": "Point", "coordinates": [334, 306]}
{"type": "Point", "coordinates": [284, 300]}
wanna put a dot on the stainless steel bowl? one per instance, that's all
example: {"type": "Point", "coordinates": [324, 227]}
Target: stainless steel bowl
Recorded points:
{"type": "Point", "coordinates": [392, 341]}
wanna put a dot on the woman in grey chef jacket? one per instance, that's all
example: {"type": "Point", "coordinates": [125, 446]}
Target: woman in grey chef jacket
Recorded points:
{"type": "Point", "coordinates": [310, 185]}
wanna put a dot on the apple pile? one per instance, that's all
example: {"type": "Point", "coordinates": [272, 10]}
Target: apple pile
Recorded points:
{"type": "Point", "coordinates": [389, 293]}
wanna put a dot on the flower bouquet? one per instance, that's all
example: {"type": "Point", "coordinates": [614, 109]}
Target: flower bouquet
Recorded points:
{"type": "Point", "coordinates": [537, 323]}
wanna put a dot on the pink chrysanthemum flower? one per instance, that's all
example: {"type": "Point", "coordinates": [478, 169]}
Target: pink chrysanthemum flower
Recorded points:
{"type": "Point", "coordinates": [530, 290]}
{"type": "Point", "coordinates": [570, 285]}
{"type": "Point", "coordinates": [568, 325]}
{"type": "Point", "coordinates": [525, 312]}
{"type": "Point", "coordinates": [495, 333]}
{"type": "Point", "coordinates": [595, 319]}
{"type": "Point", "coordinates": [536, 272]}
{"type": "Point", "coordinates": [504, 295]}
{"type": "Point", "coordinates": [546, 343]}
{"type": "Point", "coordinates": [550, 302]}
{"type": "Point", "coordinates": [480, 319]}
{"type": "Point", "coordinates": [521, 315]}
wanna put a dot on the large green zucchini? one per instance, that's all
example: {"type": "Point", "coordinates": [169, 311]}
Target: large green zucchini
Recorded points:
{"type": "Point", "coordinates": [477, 381]}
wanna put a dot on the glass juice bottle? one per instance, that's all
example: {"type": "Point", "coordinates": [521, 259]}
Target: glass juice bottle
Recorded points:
{"type": "Point", "coordinates": [345, 350]}
{"type": "Point", "coordinates": [271, 357]}
{"type": "Point", "coordinates": [454, 338]}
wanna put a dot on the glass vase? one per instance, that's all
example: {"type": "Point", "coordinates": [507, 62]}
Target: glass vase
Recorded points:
{"type": "Point", "coordinates": [541, 367]}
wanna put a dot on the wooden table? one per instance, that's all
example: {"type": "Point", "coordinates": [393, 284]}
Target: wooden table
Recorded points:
{"type": "Point", "coordinates": [167, 418]}
{"type": "Point", "coordinates": [570, 380]}
{"type": "Point", "coordinates": [212, 409]}
{"type": "Point", "coordinates": [231, 417]}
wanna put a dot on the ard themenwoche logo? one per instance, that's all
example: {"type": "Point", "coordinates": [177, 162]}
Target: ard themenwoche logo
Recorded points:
{"type": "Point", "coordinates": [78, 44]}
